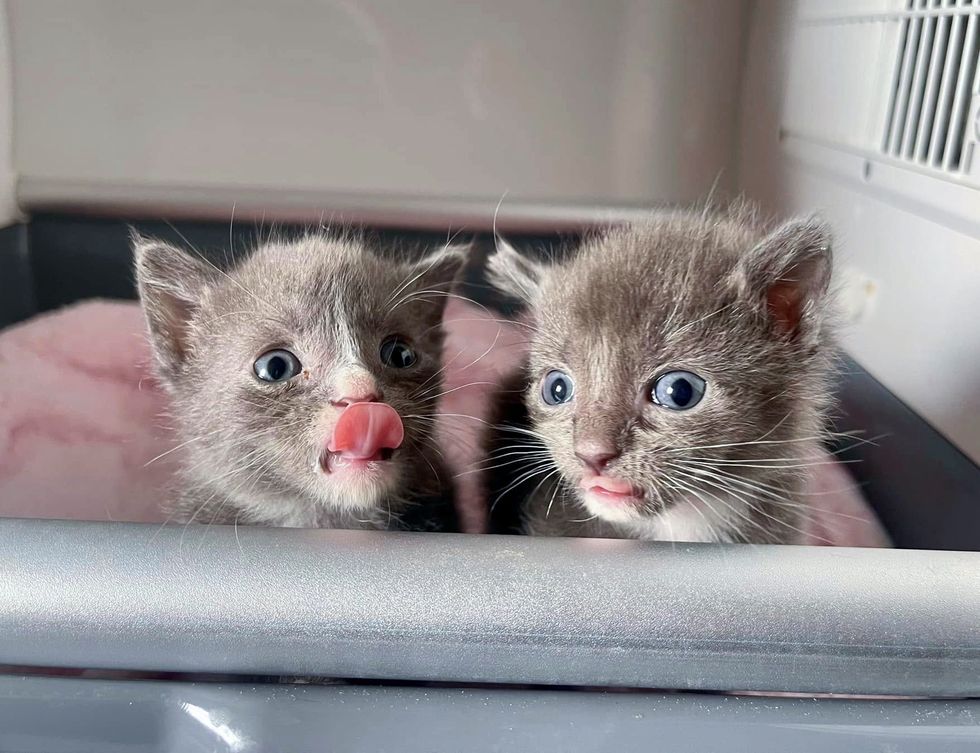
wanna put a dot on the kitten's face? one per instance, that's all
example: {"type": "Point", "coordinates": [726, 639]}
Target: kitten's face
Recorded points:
{"type": "Point", "coordinates": [661, 356]}
{"type": "Point", "coordinates": [263, 360]}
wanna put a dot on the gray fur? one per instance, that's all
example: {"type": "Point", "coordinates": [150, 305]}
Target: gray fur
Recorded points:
{"type": "Point", "coordinates": [745, 308]}
{"type": "Point", "coordinates": [252, 448]}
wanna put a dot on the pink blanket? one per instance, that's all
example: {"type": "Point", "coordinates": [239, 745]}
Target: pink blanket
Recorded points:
{"type": "Point", "coordinates": [84, 435]}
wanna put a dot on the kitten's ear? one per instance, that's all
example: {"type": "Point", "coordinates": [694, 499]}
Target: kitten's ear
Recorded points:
{"type": "Point", "coordinates": [438, 270]}
{"type": "Point", "coordinates": [432, 278]}
{"type": "Point", "coordinates": [514, 274]}
{"type": "Point", "coordinates": [171, 285]}
{"type": "Point", "coordinates": [788, 274]}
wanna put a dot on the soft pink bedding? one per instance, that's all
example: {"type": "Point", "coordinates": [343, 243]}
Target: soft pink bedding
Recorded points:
{"type": "Point", "coordinates": [84, 432]}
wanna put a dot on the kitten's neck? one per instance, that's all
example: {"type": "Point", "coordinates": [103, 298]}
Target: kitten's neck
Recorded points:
{"type": "Point", "coordinates": [755, 511]}
{"type": "Point", "coordinates": [689, 519]}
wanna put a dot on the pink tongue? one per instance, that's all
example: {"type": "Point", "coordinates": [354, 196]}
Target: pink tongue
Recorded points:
{"type": "Point", "coordinates": [364, 429]}
{"type": "Point", "coordinates": [610, 484]}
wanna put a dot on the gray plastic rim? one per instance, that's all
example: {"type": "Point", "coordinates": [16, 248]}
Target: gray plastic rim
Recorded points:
{"type": "Point", "coordinates": [466, 608]}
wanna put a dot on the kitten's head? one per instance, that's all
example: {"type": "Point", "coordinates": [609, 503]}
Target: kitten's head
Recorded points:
{"type": "Point", "coordinates": [264, 359]}
{"type": "Point", "coordinates": [670, 357]}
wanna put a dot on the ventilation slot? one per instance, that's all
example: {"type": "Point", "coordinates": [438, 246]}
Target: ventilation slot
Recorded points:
{"type": "Point", "coordinates": [935, 79]}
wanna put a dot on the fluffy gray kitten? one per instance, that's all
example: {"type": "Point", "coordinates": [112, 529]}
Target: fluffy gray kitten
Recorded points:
{"type": "Point", "coordinates": [303, 382]}
{"type": "Point", "coordinates": [677, 382]}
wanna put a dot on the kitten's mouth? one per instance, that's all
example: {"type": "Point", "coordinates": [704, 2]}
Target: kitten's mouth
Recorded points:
{"type": "Point", "coordinates": [611, 490]}
{"type": "Point", "coordinates": [331, 462]}
{"type": "Point", "coordinates": [365, 434]}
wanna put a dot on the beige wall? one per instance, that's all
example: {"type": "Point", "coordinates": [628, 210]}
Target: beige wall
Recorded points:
{"type": "Point", "coordinates": [630, 101]}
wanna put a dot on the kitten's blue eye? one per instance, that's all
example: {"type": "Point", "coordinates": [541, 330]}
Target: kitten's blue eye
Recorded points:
{"type": "Point", "coordinates": [277, 366]}
{"type": "Point", "coordinates": [678, 390]}
{"type": "Point", "coordinates": [397, 353]}
{"type": "Point", "coordinates": [557, 388]}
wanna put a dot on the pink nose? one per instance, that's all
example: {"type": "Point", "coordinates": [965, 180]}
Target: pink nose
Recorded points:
{"type": "Point", "coordinates": [595, 455]}
{"type": "Point", "coordinates": [366, 397]}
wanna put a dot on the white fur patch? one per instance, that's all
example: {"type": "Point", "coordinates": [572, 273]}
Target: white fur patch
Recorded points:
{"type": "Point", "coordinates": [690, 520]}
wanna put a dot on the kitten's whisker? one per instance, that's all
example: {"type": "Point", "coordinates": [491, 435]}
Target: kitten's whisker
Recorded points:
{"type": "Point", "coordinates": [420, 447]}
{"type": "Point", "coordinates": [472, 363]}
{"type": "Point", "coordinates": [519, 430]}
{"type": "Point", "coordinates": [495, 320]}
{"type": "Point", "coordinates": [527, 476]}
{"type": "Point", "coordinates": [774, 463]}
{"type": "Point", "coordinates": [753, 487]}
{"type": "Point", "coordinates": [182, 444]}
{"type": "Point", "coordinates": [551, 501]}
{"type": "Point", "coordinates": [516, 457]}
{"type": "Point", "coordinates": [430, 294]}
{"type": "Point", "coordinates": [434, 416]}
{"type": "Point", "coordinates": [858, 442]}
{"type": "Point", "coordinates": [701, 482]}
{"type": "Point", "coordinates": [690, 488]}
{"type": "Point", "coordinates": [433, 398]}
{"type": "Point", "coordinates": [539, 463]}
{"type": "Point", "coordinates": [759, 484]}
{"type": "Point", "coordinates": [747, 443]}
{"type": "Point", "coordinates": [748, 504]}
{"type": "Point", "coordinates": [775, 426]}
{"type": "Point", "coordinates": [408, 282]}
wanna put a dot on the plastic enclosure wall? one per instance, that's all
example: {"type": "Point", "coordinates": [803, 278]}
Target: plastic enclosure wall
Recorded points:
{"type": "Point", "coordinates": [469, 609]}
{"type": "Point", "coordinates": [817, 89]}
{"type": "Point", "coordinates": [424, 607]}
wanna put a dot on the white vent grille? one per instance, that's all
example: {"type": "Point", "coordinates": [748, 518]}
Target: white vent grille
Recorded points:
{"type": "Point", "coordinates": [935, 79]}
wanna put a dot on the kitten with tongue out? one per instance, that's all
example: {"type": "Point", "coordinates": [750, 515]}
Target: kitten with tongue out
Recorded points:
{"type": "Point", "coordinates": [304, 382]}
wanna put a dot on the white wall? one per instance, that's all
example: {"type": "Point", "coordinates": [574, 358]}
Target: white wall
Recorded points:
{"type": "Point", "coordinates": [914, 238]}
{"type": "Point", "coordinates": [630, 101]}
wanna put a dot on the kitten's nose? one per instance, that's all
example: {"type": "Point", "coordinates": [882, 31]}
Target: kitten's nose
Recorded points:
{"type": "Point", "coordinates": [367, 397]}
{"type": "Point", "coordinates": [595, 455]}
{"type": "Point", "coordinates": [356, 386]}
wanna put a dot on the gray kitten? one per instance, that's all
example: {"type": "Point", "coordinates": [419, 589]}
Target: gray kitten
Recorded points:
{"type": "Point", "coordinates": [303, 382]}
{"type": "Point", "coordinates": [677, 382]}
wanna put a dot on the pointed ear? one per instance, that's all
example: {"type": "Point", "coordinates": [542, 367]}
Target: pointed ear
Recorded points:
{"type": "Point", "coordinates": [439, 269]}
{"type": "Point", "coordinates": [514, 274]}
{"type": "Point", "coordinates": [171, 284]}
{"type": "Point", "coordinates": [431, 279]}
{"type": "Point", "coordinates": [787, 276]}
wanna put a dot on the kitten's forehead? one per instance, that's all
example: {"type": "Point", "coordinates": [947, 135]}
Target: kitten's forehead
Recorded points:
{"type": "Point", "coordinates": [643, 272]}
{"type": "Point", "coordinates": [635, 291]}
{"type": "Point", "coordinates": [315, 282]}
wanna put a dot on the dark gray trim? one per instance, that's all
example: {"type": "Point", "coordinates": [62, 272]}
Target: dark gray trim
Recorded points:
{"type": "Point", "coordinates": [16, 281]}
{"type": "Point", "coordinates": [78, 257]}
{"type": "Point", "coordinates": [68, 716]}
{"type": "Point", "coordinates": [924, 489]}
{"type": "Point", "coordinates": [471, 609]}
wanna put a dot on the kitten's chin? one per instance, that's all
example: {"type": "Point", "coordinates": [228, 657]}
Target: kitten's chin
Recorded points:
{"type": "Point", "coordinates": [611, 499]}
{"type": "Point", "coordinates": [613, 508]}
{"type": "Point", "coordinates": [357, 485]}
